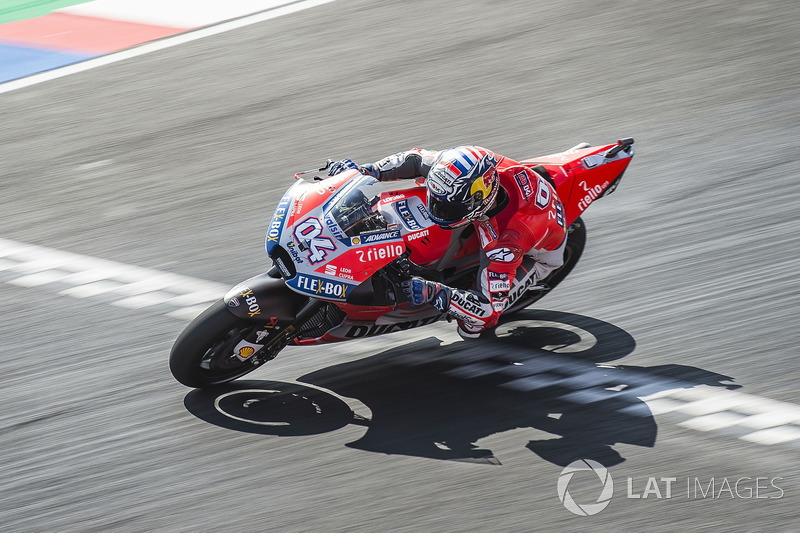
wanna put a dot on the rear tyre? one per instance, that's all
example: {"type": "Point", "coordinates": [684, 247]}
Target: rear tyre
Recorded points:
{"type": "Point", "coordinates": [203, 354]}
{"type": "Point", "coordinates": [576, 241]}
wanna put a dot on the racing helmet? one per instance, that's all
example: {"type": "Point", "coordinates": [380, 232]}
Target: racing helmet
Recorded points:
{"type": "Point", "coordinates": [462, 185]}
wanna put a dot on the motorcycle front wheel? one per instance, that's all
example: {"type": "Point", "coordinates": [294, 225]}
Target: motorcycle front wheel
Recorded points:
{"type": "Point", "coordinates": [203, 354]}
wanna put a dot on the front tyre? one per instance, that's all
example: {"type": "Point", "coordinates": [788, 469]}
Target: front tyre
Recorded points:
{"type": "Point", "coordinates": [203, 354]}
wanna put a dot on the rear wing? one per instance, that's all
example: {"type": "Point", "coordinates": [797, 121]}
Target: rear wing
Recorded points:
{"type": "Point", "coordinates": [584, 173]}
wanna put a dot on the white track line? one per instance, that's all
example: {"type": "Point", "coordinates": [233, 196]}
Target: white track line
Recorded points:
{"type": "Point", "coordinates": [568, 379]}
{"type": "Point", "coordinates": [186, 14]}
{"type": "Point", "coordinates": [80, 276]}
{"type": "Point", "coordinates": [161, 44]}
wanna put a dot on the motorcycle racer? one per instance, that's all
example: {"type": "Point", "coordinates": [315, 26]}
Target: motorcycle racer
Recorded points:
{"type": "Point", "coordinates": [514, 210]}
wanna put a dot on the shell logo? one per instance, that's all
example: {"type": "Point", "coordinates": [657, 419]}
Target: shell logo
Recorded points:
{"type": "Point", "coordinates": [246, 351]}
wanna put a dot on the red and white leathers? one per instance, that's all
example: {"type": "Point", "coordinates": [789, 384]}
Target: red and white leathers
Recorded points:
{"type": "Point", "coordinates": [522, 238]}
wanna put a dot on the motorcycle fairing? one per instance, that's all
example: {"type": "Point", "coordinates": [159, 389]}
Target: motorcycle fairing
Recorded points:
{"type": "Point", "coordinates": [328, 238]}
{"type": "Point", "coordinates": [425, 241]}
{"type": "Point", "coordinates": [583, 174]}
{"type": "Point", "coordinates": [376, 322]}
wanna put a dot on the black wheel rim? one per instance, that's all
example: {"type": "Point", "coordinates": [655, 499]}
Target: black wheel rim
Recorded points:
{"type": "Point", "coordinates": [219, 364]}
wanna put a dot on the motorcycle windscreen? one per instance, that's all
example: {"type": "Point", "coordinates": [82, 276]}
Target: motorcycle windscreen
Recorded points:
{"type": "Point", "coordinates": [355, 210]}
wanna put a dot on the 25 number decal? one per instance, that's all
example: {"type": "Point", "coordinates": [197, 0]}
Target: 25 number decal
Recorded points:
{"type": "Point", "coordinates": [557, 214]}
{"type": "Point", "coordinates": [308, 232]}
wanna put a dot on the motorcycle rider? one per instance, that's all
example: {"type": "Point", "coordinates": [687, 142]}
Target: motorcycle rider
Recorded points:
{"type": "Point", "coordinates": [515, 211]}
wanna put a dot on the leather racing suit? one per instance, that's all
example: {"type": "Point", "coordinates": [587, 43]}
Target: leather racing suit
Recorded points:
{"type": "Point", "coordinates": [522, 237]}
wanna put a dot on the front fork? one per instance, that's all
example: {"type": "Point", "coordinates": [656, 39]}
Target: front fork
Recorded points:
{"type": "Point", "coordinates": [264, 343]}
{"type": "Point", "coordinates": [276, 311]}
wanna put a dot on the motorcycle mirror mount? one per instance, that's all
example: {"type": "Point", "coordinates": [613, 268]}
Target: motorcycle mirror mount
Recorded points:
{"type": "Point", "coordinates": [622, 144]}
{"type": "Point", "coordinates": [328, 164]}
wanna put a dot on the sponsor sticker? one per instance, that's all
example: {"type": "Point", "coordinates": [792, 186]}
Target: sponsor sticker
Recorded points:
{"type": "Point", "coordinates": [487, 234]}
{"type": "Point", "coordinates": [253, 309]}
{"type": "Point", "coordinates": [337, 271]}
{"type": "Point", "coordinates": [321, 287]}
{"type": "Point", "coordinates": [417, 235]}
{"type": "Point", "coordinates": [375, 253]}
{"type": "Point", "coordinates": [524, 184]}
{"type": "Point", "coordinates": [334, 228]}
{"type": "Point", "coordinates": [502, 255]}
{"type": "Point", "coordinates": [407, 216]}
{"type": "Point", "coordinates": [379, 236]}
{"type": "Point", "coordinates": [470, 304]}
{"type": "Point", "coordinates": [294, 253]}
{"type": "Point", "coordinates": [276, 225]}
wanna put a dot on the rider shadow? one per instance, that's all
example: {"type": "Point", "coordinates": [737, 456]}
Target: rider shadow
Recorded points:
{"type": "Point", "coordinates": [434, 401]}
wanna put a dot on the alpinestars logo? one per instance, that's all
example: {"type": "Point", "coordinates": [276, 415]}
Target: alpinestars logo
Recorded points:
{"type": "Point", "coordinates": [586, 509]}
{"type": "Point", "coordinates": [503, 255]}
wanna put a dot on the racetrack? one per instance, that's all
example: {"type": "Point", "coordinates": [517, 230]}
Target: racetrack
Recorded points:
{"type": "Point", "coordinates": [174, 161]}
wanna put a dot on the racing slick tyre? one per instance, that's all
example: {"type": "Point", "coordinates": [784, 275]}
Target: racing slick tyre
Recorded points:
{"type": "Point", "coordinates": [203, 355]}
{"type": "Point", "coordinates": [576, 241]}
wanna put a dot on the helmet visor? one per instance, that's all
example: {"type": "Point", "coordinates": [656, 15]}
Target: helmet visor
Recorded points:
{"type": "Point", "coordinates": [448, 213]}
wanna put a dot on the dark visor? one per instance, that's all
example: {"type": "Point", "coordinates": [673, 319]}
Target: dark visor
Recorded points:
{"type": "Point", "coordinates": [446, 212]}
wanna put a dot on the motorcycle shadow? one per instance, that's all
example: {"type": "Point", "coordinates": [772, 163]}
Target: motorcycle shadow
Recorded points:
{"type": "Point", "coordinates": [538, 369]}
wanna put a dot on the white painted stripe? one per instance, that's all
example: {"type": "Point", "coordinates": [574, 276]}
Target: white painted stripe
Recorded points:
{"type": "Point", "coordinates": [702, 408]}
{"type": "Point", "coordinates": [712, 422]}
{"type": "Point", "coordinates": [173, 13]}
{"type": "Point", "coordinates": [586, 380]}
{"type": "Point", "coordinates": [771, 419]}
{"type": "Point", "coordinates": [660, 406]}
{"type": "Point", "coordinates": [40, 278]}
{"type": "Point", "coordinates": [645, 410]}
{"type": "Point", "coordinates": [90, 289]}
{"type": "Point", "coordinates": [698, 407]}
{"type": "Point", "coordinates": [129, 286]}
{"type": "Point", "coordinates": [187, 313]}
{"type": "Point", "coordinates": [714, 404]}
{"type": "Point", "coordinates": [531, 383]}
{"type": "Point", "coordinates": [193, 298]}
{"type": "Point", "coordinates": [776, 435]}
{"type": "Point", "coordinates": [143, 300]}
{"type": "Point", "coordinates": [587, 396]}
{"type": "Point", "coordinates": [161, 44]}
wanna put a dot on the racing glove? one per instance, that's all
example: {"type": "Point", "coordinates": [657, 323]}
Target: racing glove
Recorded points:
{"type": "Point", "coordinates": [421, 291]}
{"type": "Point", "coordinates": [341, 166]}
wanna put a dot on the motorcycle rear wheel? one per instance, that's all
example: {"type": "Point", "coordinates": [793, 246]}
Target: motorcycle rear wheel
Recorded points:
{"type": "Point", "coordinates": [576, 241]}
{"type": "Point", "coordinates": [202, 355]}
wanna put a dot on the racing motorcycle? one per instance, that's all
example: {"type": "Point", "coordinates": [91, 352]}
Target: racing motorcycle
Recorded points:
{"type": "Point", "coordinates": [342, 246]}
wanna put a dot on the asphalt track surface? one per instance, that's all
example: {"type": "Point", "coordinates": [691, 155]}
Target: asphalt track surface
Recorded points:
{"type": "Point", "coordinates": [175, 160]}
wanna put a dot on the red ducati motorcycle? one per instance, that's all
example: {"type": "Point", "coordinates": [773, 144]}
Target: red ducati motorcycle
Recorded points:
{"type": "Point", "coordinates": [342, 246]}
